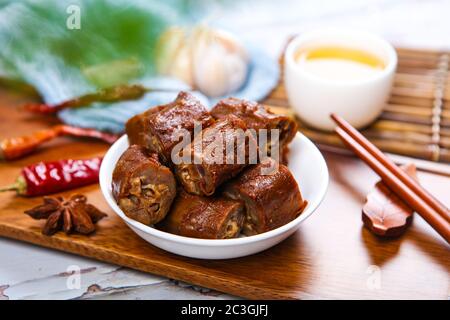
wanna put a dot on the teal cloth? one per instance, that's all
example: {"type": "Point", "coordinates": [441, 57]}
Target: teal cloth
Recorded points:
{"type": "Point", "coordinates": [262, 78]}
{"type": "Point", "coordinates": [38, 49]}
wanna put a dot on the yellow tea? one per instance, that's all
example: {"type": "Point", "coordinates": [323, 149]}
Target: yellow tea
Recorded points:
{"type": "Point", "coordinates": [339, 63]}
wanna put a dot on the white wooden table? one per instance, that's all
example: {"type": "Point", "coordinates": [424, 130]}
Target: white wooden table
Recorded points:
{"type": "Point", "coordinates": [31, 272]}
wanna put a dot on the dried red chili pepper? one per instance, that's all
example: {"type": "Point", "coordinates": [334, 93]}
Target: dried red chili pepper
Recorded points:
{"type": "Point", "coordinates": [113, 94]}
{"type": "Point", "coordinates": [13, 148]}
{"type": "Point", "coordinates": [87, 133]}
{"type": "Point", "coordinates": [50, 177]}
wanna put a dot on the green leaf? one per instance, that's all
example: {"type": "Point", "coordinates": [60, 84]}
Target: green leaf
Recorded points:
{"type": "Point", "coordinates": [114, 72]}
{"type": "Point", "coordinates": [115, 43]}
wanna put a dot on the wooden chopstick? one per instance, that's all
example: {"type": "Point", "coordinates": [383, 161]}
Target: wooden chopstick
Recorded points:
{"type": "Point", "coordinates": [438, 222]}
{"type": "Point", "coordinates": [392, 167]}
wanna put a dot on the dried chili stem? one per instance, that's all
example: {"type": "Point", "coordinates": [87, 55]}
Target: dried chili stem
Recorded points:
{"type": "Point", "coordinates": [112, 94]}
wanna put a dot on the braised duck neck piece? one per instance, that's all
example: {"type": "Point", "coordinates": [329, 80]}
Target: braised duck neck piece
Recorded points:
{"type": "Point", "coordinates": [143, 188]}
{"type": "Point", "coordinates": [225, 151]}
{"type": "Point", "coordinates": [257, 117]}
{"type": "Point", "coordinates": [271, 196]}
{"type": "Point", "coordinates": [158, 129]}
{"type": "Point", "coordinates": [138, 127]}
{"type": "Point", "coordinates": [204, 217]}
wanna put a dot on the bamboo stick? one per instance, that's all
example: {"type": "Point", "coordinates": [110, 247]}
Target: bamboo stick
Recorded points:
{"type": "Point", "coordinates": [414, 85]}
{"type": "Point", "coordinates": [445, 132]}
{"type": "Point", "coordinates": [413, 93]}
{"type": "Point", "coordinates": [445, 122]}
{"type": "Point", "coordinates": [418, 63]}
{"type": "Point", "coordinates": [383, 125]}
{"type": "Point", "coordinates": [417, 71]}
{"type": "Point", "coordinates": [409, 110]}
{"type": "Point", "coordinates": [400, 137]}
{"type": "Point", "coordinates": [444, 142]}
{"type": "Point", "coordinates": [414, 77]}
{"type": "Point", "coordinates": [405, 118]}
{"type": "Point", "coordinates": [444, 155]}
{"type": "Point", "coordinates": [445, 113]}
{"type": "Point", "coordinates": [412, 52]}
{"type": "Point", "coordinates": [418, 101]}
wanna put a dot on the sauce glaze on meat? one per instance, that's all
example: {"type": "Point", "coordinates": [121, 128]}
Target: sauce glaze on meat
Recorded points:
{"type": "Point", "coordinates": [142, 187]}
{"type": "Point", "coordinates": [209, 167]}
{"type": "Point", "coordinates": [158, 129]}
{"type": "Point", "coordinates": [270, 194]}
{"type": "Point", "coordinates": [204, 217]}
{"type": "Point", "coordinates": [257, 117]}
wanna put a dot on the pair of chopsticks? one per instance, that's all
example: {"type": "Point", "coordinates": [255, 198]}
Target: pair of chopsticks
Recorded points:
{"type": "Point", "coordinates": [406, 188]}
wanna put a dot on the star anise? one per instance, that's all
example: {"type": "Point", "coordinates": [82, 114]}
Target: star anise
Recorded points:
{"type": "Point", "coordinates": [74, 214]}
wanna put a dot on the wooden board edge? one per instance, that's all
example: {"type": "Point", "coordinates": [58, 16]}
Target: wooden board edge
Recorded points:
{"type": "Point", "coordinates": [218, 283]}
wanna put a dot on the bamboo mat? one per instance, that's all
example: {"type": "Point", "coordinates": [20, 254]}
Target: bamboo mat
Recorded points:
{"type": "Point", "coordinates": [416, 120]}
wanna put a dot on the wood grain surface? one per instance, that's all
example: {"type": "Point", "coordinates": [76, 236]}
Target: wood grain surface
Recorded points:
{"type": "Point", "coordinates": [331, 256]}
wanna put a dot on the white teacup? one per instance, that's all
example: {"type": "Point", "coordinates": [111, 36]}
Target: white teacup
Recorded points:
{"type": "Point", "coordinates": [314, 98]}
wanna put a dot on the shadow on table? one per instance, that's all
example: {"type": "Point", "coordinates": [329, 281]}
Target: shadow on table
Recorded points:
{"type": "Point", "coordinates": [432, 246]}
{"type": "Point", "coordinates": [288, 265]}
{"type": "Point", "coordinates": [382, 250]}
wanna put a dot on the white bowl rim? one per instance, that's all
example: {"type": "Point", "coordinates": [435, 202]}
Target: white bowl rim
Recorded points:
{"type": "Point", "coordinates": [316, 34]}
{"type": "Point", "coordinates": [105, 188]}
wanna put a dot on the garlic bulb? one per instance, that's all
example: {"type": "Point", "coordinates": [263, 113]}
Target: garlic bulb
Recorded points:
{"type": "Point", "coordinates": [210, 60]}
{"type": "Point", "coordinates": [173, 56]}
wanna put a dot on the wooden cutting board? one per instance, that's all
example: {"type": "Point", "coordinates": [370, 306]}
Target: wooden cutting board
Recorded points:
{"type": "Point", "coordinates": [331, 256]}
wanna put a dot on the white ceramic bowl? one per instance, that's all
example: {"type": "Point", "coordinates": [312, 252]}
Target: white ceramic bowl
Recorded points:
{"type": "Point", "coordinates": [359, 102]}
{"type": "Point", "coordinates": [308, 167]}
